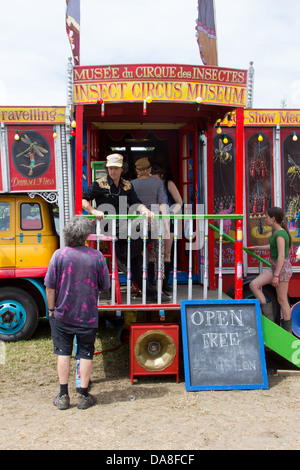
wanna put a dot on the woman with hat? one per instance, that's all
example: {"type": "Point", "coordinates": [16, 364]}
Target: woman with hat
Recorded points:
{"type": "Point", "coordinates": [151, 192]}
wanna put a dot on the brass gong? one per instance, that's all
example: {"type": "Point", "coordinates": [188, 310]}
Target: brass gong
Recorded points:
{"type": "Point", "coordinates": [155, 350]}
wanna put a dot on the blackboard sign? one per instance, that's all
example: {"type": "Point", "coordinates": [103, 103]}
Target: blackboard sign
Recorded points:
{"type": "Point", "coordinates": [223, 345]}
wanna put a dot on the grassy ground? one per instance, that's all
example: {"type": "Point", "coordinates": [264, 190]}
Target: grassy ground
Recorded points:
{"type": "Point", "coordinates": [33, 361]}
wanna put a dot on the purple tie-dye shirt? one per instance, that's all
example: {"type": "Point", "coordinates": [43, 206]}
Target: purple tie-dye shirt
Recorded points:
{"type": "Point", "coordinates": [77, 274]}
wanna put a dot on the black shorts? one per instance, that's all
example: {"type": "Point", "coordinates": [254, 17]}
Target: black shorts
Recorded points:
{"type": "Point", "coordinates": [63, 337]}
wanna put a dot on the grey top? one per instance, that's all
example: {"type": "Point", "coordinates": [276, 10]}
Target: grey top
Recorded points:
{"type": "Point", "coordinates": [149, 191]}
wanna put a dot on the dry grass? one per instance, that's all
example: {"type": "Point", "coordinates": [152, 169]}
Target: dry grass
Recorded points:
{"type": "Point", "coordinates": [33, 361]}
{"type": "Point", "coordinates": [162, 415]}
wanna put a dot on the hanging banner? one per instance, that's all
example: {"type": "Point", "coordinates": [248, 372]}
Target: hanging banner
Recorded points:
{"type": "Point", "coordinates": [206, 32]}
{"type": "Point", "coordinates": [73, 27]}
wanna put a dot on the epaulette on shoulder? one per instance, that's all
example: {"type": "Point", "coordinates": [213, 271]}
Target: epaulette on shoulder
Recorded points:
{"type": "Point", "coordinates": [126, 184]}
{"type": "Point", "coordinates": [103, 183]}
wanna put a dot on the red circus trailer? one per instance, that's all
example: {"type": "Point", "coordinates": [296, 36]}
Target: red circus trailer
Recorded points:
{"type": "Point", "coordinates": [224, 157]}
{"type": "Point", "coordinates": [172, 109]}
{"type": "Point", "coordinates": [229, 162]}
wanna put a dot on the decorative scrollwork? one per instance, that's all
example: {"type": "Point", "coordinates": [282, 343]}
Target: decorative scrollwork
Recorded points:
{"type": "Point", "coordinates": [51, 197]}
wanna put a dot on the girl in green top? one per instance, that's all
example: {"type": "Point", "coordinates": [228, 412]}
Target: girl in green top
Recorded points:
{"type": "Point", "coordinates": [281, 269]}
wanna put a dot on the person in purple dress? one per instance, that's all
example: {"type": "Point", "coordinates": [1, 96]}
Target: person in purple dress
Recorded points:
{"type": "Point", "coordinates": [75, 275]}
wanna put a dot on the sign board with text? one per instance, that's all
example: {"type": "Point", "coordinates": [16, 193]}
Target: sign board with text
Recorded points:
{"type": "Point", "coordinates": [27, 147]}
{"type": "Point", "coordinates": [31, 158]}
{"type": "Point", "coordinates": [268, 118]}
{"type": "Point", "coordinates": [223, 345]}
{"type": "Point", "coordinates": [161, 82]}
{"type": "Point", "coordinates": [33, 115]}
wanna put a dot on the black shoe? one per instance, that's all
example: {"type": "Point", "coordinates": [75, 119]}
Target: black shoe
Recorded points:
{"type": "Point", "coordinates": [62, 402]}
{"type": "Point", "coordinates": [164, 298]}
{"type": "Point", "coordinates": [84, 402]}
{"type": "Point", "coordinates": [136, 294]}
{"type": "Point", "coordinates": [167, 289]}
{"type": "Point", "coordinates": [168, 294]}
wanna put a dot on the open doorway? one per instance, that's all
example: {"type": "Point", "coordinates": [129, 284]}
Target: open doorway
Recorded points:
{"type": "Point", "coordinates": [160, 146]}
{"type": "Point", "coordinates": [173, 150]}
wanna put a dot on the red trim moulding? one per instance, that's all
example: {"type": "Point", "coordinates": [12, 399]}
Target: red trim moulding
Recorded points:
{"type": "Point", "coordinates": [78, 159]}
{"type": "Point", "coordinates": [9, 273]}
{"type": "Point", "coordinates": [239, 193]}
{"type": "Point", "coordinates": [210, 203]}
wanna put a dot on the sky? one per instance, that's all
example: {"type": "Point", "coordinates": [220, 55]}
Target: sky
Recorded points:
{"type": "Point", "coordinates": [34, 47]}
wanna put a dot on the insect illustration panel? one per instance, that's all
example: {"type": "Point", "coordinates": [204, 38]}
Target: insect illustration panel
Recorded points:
{"type": "Point", "coordinates": [259, 184]}
{"type": "Point", "coordinates": [224, 190]}
{"type": "Point", "coordinates": [32, 162]}
{"type": "Point", "coordinates": [291, 186]}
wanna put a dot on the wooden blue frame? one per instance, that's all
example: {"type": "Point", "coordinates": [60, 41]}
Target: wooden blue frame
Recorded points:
{"type": "Point", "coordinates": [263, 383]}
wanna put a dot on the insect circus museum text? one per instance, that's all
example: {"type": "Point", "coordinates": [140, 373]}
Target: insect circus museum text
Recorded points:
{"type": "Point", "coordinates": [165, 72]}
{"type": "Point", "coordinates": [164, 90]}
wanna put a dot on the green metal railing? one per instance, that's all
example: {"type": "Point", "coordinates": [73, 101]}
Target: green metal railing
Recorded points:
{"type": "Point", "coordinates": [188, 227]}
{"type": "Point", "coordinates": [170, 216]}
{"type": "Point", "coordinates": [252, 253]}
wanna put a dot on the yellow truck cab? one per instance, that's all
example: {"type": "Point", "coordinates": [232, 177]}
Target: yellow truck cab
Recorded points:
{"type": "Point", "coordinates": [28, 235]}
{"type": "Point", "coordinates": [28, 239]}
{"type": "Point", "coordinates": [35, 176]}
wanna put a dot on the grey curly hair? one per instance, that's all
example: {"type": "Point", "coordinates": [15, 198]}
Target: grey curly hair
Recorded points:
{"type": "Point", "coordinates": [76, 231]}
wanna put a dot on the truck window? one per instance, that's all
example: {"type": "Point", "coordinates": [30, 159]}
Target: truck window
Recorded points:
{"type": "Point", "coordinates": [31, 218]}
{"type": "Point", "coordinates": [4, 216]}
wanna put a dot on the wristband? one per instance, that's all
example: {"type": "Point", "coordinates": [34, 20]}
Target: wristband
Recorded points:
{"type": "Point", "coordinates": [51, 309]}
{"type": "Point", "coordinates": [275, 276]}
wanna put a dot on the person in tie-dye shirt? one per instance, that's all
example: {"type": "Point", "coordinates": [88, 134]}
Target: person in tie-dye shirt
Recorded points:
{"type": "Point", "coordinates": [75, 276]}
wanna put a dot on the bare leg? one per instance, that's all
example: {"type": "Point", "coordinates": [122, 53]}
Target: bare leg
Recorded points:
{"type": "Point", "coordinates": [85, 372]}
{"type": "Point", "coordinates": [85, 400]}
{"type": "Point", "coordinates": [260, 281]}
{"type": "Point", "coordinates": [168, 247]}
{"type": "Point", "coordinates": [62, 400]}
{"type": "Point", "coordinates": [63, 369]}
{"type": "Point", "coordinates": [282, 297]}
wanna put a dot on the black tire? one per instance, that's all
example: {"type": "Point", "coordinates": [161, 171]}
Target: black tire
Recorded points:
{"type": "Point", "coordinates": [269, 293]}
{"type": "Point", "coordinates": [18, 314]}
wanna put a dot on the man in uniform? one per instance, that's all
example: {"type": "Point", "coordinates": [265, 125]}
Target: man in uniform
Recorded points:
{"type": "Point", "coordinates": [113, 194]}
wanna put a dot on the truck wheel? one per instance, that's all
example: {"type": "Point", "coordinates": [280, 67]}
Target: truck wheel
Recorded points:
{"type": "Point", "coordinates": [18, 314]}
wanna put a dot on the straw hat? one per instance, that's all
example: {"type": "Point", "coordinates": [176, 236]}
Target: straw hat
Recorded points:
{"type": "Point", "coordinates": [142, 163]}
